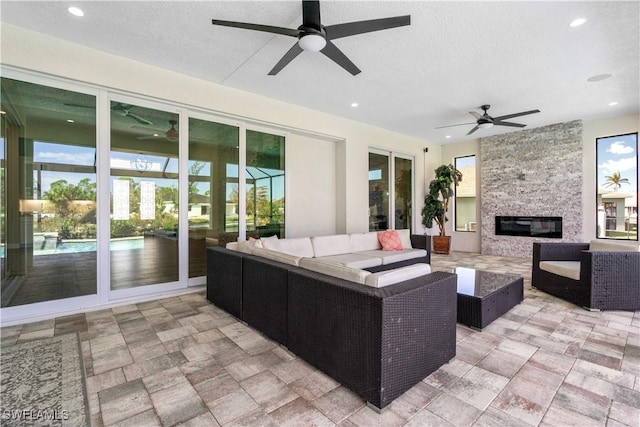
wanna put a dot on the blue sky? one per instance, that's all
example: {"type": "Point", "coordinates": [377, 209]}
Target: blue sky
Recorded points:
{"type": "Point", "coordinates": [618, 154]}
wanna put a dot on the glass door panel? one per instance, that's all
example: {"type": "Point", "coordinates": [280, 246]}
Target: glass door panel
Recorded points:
{"type": "Point", "coordinates": [144, 196]}
{"type": "Point", "coordinates": [48, 209]}
{"type": "Point", "coordinates": [213, 189]}
{"type": "Point", "coordinates": [403, 170]}
{"type": "Point", "coordinates": [378, 191]}
{"type": "Point", "coordinates": [265, 184]}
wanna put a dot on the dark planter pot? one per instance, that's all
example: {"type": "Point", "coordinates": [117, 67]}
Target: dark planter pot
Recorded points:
{"type": "Point", "coordinates": [441, 244]}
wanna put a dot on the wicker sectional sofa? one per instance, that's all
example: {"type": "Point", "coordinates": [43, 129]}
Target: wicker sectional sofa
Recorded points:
{"type": "Point", "coordinates": [378, 339]}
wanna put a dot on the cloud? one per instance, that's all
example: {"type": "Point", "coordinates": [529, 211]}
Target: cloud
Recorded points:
{"type": "Point", "coordinates": [68, 158]}
{"type": "Point", "coordinates": [618, 147]}
{"type": "Point", "coordinates": [621, 165]}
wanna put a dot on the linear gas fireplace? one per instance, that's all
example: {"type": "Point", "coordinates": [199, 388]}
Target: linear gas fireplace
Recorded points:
{"type": "Point", "coordinates": [530, 226]}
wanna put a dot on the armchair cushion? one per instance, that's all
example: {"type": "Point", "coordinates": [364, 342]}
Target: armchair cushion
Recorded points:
{"type": "Point", "coordinates": [570, 269]}
{"type": "Point", "coordinates": [612, 246]}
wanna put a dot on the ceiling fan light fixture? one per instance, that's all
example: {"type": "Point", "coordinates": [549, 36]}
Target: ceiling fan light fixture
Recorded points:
{"type": "Point", "coordinates": [312, 42]}
{"type": "Point", "coordinates": [486, 125]}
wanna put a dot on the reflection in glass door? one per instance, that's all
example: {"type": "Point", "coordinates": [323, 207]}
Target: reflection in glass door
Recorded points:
{"type": "Point", "coordinates": [403, 170]}
{"type": "Point", "coordinates": [213, 189]}
{"type": "Point", "coordinates": [144, 196]}
{"type": "Point", "coordinates": [48, 188]}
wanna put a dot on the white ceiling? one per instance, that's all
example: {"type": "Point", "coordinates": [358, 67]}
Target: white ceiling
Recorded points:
{"type": "Point", "coordinates": [453, 58]}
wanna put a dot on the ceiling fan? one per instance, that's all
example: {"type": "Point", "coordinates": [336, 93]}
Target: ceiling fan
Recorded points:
{"type": "Point", "coordinates": [171, 134]}
{"type": "Point", "coordinates": [315, 37]}
{"type": "Point", "coordinates": [485, 121]}
{"type": "Point", "coordinates": [120, 108]}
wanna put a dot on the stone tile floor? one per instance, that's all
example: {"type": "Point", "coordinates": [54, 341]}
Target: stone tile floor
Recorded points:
{"type": "Point", "coordinates": [182, 361]}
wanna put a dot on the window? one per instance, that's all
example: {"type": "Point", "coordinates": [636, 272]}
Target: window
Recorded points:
{"type": "Point", "coordinates": [390, 190]}
{"type": "Point", "coordinates": [465, 194]}
{"type": "Point", "coordinates": [617, 187]}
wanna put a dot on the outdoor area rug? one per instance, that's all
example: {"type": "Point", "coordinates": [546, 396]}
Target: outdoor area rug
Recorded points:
{"type": "Point", "coordinates": [42, 383]}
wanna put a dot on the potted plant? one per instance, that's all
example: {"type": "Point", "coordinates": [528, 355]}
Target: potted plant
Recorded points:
{"type": "Point", "coordinates": [436, 204]}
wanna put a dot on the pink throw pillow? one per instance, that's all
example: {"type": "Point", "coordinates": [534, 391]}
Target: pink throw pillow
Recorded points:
{"type": "Point", "coordinates": [390, 240]}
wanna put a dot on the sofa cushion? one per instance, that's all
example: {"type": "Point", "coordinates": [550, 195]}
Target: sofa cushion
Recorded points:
{"type": "Point", "coordinates": [247, 246]}
{"type": "Point", "coordinates": [332, 268]}
{"type": "Point", "coordinates": [364, 241]}
{"type": "Point", "coordinates": [300, 246]}
{"type": "Point", "coordinates": [277, 256]}
{"type": "Point", "coordinates": [331, 245]}
{"type": "Point", "coordinates": [389, 257]}
{"type": "Point", "coordinates": [271, 242]}
{"type": "Point", "coordinates": [405, 238]}
{"type": "Point", "coordinates": [609, 246]}
{"type": "Point", "coordinates": [390, 240]}
{"type": "Point", "coordinates": [389, 277]}
{"type": "Point", "coordinates": [569, 269]}
{"type": "Point", "coordinates": [354, 260]}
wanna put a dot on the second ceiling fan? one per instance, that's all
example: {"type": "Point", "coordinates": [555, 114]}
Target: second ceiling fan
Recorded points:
{"type": "Point", "coordinates": [485, 121]}
{"type": "Point", "coordinates": [315, 37]}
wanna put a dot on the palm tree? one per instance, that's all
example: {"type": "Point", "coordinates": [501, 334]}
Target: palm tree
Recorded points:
{"type": "Point", "coordinates": [615, 180]}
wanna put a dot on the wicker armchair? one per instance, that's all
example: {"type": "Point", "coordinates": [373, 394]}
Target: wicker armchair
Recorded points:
{"type": "Point", "coordinates": [608, 279]}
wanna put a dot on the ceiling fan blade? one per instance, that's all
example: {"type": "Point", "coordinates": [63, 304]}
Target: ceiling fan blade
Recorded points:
{"type": "Point", "coordinates": [510, 116]}
{"type": "Point", "coordinates": [461, 124]}
{"type": "Point", "coordinates": [353, 28]}
{"type": "Point", "coordinates": [332, 52]}
{"type": "Point", "coordinates": [514, 125]}
{"type": "Point", "coordinates": [258, 27]}
{"type": "Point", "coordinates": [138, 118]}
{"type": "Point", "coordinates": [473, 130]}
{"type": "Point", "coordinates": [476, 115]}
{"type": "Point", "coordinates": [311, 14]}
{"type": "Point", "coordinates": [288, 57]}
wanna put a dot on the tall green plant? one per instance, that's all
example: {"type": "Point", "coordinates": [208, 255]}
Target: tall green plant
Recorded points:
{"type": "Point", "coordinates": [436, 202]}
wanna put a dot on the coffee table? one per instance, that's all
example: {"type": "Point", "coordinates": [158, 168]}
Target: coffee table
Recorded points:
{"type": "Point", "coordinates": [484, 296]}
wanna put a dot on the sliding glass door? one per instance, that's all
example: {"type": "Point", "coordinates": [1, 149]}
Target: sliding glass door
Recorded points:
{"type": "Point", "coordinates": [390, 191]}
{"type": "Point", "coordinates": [48, 209]}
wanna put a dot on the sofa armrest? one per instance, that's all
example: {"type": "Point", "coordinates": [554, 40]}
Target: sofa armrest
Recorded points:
{"type": "Point", "coordinates": [422, 241]}
{"type": "Point", "coordinates": [614, 278]}
{"type": "Point", "coordinates": [558, 251]}
{"type": "Point", "coordinates": [224, 279]}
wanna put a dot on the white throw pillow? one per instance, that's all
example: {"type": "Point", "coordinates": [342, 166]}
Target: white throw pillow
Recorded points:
{"type": "Point", "coordinates": [405, 238]}
{"type": "Point", "coordinates": [271, 242]}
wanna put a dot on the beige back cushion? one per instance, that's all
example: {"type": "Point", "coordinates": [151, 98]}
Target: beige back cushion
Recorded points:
{"type": "Point", "coordinates": [610, 246]}
{"type": "Point", "coordinates": [331, 245]}
{"type": "Point", "coordinates": [300, 246]}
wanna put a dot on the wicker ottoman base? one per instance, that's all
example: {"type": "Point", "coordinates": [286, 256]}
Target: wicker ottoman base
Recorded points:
{"type": "Point", "coordinates": [485, 296]}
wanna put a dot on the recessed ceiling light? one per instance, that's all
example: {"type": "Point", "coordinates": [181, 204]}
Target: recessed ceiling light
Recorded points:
{"type": "Point", "coordinates": [76, 11]}
{"type": "Point", "coordinates": [354, 104]}
{"type": "Point", "coordinates": [611, 104]}
{"type": "Point", "coordinates": [3, 112]}
{"type": "Point", "coordinates": [448, 136]}
{"type": "Point", "coordinates": [598, 77]}
{"type": "Point", "coordinates": [70, 121]}
{"type": "Point", "coordinates": [577, 22]}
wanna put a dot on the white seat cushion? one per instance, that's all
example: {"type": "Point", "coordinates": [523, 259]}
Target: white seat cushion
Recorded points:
{"type": "Point", "coordinates": [331, 268]}
{"type": "Point", "coordinates": [389, 257]}
{"type": "Point", "coordinates": [331, 245]}
{"type": "Point", "coordinates": [300, 246]}
{"type": "Point", "coordinates": [389, 277]}
{"type": "Point", "coordinates": [569, 269]}
{"type": "Point", "coordinates": [354, 260]}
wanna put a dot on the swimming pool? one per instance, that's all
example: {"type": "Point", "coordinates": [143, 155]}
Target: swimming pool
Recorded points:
{"type": "Point", "coordinates": [87, 246]}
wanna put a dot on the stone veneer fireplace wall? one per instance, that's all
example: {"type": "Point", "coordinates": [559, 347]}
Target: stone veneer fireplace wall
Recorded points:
{"type": "Point", "coordinates": [535, 172]}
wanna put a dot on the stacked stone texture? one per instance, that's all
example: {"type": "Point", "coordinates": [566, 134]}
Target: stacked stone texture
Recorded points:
{"type": "Point", "coordinates": [550, 158]}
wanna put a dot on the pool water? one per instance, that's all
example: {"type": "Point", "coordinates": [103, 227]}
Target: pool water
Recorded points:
{"type": "Point", "coordinates": [85, 246]}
